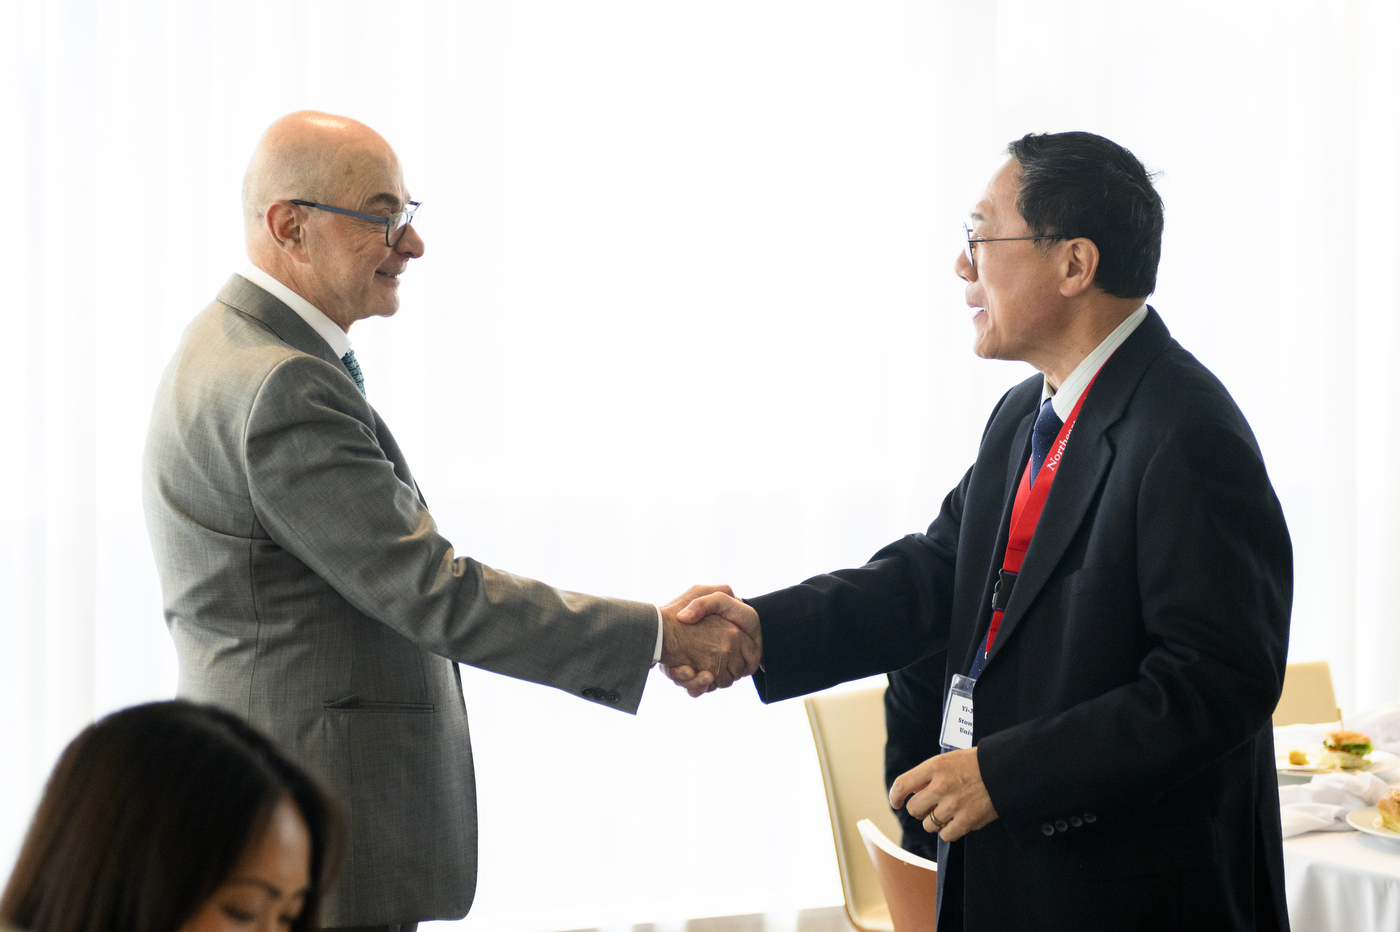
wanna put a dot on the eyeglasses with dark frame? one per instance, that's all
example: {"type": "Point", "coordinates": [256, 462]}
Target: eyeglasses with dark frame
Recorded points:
{"type": "Point", "coordinates": [972, 240]}
{"type": "Point", "coordinates": [395, 225]}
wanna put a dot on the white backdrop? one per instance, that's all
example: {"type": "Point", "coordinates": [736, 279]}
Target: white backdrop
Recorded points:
{"type": "Point", "coordinates": [686, 314]}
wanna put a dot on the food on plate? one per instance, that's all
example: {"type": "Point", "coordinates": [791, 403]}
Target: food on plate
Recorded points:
{"type": "Point", "coordinates": [1390, 810]}
{"type": "Point", "coordinates": [1346, 749]}
{"type": "Point", "coordinates": [1298, 758]}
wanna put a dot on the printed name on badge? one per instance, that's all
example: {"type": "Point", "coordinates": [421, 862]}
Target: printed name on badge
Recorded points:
{"type": "Point", "coordinates": [957, 715]}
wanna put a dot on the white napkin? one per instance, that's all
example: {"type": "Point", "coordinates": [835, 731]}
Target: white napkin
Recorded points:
{"type": "Point", "coordinates": [1383, 725]}
{"type": "Point", "coordinates": [1322, 805]}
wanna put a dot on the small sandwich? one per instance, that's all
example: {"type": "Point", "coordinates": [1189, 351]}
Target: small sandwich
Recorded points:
{"type": "Point", "coordinates": [1346, 750]}
{"type": "Point", "coordinates": [1390, 810]}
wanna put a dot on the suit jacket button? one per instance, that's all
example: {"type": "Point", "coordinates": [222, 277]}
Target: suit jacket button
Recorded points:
{"type": "Point", "coordinates": [1047, 829]}
{"type": "Point", "coordinates": [1076, 821]}
{"type": "Point", "coordinates": [1090, 817]}
{"type": "Point", "coordinates": [590, 692]}
{"type": "Point", "coordinates": [612, 696]}
{"type": "Point", "coordinates": [1061, 825]}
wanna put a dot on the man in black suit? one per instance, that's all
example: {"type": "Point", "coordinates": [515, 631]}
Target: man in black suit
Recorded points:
{"type": "Point", "coordinates": [1128, 646]}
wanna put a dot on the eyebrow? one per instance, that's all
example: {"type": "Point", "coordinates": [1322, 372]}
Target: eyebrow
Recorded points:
{"type": "Point", "coordinates": [390, 201]}
{"type": "Point", "coordinates": [977, 215]}
{"type": "Point", "coordinates": [270, 888]}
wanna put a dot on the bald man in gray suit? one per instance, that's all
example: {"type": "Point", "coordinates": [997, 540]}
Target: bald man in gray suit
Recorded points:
{"type": "Point", "coordinates": [305, 583]}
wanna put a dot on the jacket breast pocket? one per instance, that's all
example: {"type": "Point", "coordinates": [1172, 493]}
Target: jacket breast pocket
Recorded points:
{"type": "Point", "coordinates": [354, 703]}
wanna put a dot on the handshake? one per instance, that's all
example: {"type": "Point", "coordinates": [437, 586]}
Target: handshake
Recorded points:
{"type": "Point", "coordinates": [709, 639]}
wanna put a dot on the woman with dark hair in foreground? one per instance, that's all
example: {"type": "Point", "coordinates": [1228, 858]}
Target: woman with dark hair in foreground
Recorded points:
{"type": "Point", "coordinates": [175, 817]}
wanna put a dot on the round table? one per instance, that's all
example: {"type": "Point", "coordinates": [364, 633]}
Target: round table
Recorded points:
{"type": "Point", "coordinates": [1343, 881]}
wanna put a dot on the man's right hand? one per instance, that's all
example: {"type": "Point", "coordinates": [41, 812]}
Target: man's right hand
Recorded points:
{"type": "Point", "coordinates": [705, 610]}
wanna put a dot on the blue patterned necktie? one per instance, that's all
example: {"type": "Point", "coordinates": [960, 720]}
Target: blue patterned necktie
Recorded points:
{"type": "Point", "coordinates": [1047, 428]}
{"type": "Point", "coordinates": [359, 377]}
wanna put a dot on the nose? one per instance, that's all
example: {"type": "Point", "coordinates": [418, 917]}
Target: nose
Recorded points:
{"type": "Point", "coordinates": [411, 245]}
{"type": "Point", "coordinates": [964, 269]}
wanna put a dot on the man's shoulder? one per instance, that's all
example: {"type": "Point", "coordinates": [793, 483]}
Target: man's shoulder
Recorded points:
{"type": "Point", "coordinates": [1178, 389]}
{"type": "Point", "coordinates": [1177, 408]}
{"type": "Point", "coordinates": [228, 355]}
{"type": "Point", "coordinates": [244, 316]}
{"type": "Point", "coordinates": [1151, 386]}
{"type": "Point", "coordinates": [223, 340]}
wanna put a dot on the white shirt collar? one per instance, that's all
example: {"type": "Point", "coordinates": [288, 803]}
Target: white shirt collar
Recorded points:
{"type": "Point", "coordinates": [1084, 373]}
{"type": "Point", "coordinates": [327, 328]}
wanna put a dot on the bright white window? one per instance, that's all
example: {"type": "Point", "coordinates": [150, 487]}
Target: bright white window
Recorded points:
{"type": "Point", "coordinates": [687, 313]}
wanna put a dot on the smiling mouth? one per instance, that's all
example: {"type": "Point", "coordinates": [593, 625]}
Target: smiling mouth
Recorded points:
{"type": "Point", "coordinates": [393, 276]}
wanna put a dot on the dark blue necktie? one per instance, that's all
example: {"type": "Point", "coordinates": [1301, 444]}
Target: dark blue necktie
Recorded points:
{"type": "Point", "coordinates": [1047, 428]}
{"type": "Point", "coordinates": [359, 377]}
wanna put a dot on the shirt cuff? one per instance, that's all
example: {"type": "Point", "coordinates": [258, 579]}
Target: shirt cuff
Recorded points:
{"type": "Point", "coordinates": [660, 630]}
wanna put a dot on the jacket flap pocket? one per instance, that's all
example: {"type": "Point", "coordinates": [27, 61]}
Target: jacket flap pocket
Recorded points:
{"type": "Point", "coordinates": [353, 703]}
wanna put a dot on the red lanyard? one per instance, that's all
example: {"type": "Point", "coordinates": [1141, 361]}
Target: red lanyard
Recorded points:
{"type": "Point", "coordinates": [1030, 501]}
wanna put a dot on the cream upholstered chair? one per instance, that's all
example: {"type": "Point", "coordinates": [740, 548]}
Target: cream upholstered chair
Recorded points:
{"type": "Point", "coordinates": [1307, 695]}
{"type": "Point", "coordinates": [849, 730]}
{"type": "Point", "coordinates": [910, 883]}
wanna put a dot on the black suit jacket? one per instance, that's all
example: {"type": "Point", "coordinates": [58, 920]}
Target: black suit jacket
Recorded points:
{"type": "Point", "coordinates": [1123, 719]}
{"type": "Point", "coordinates": [913, 709]}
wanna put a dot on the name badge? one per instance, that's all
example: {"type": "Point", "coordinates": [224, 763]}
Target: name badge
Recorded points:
{"type": "Point", "coordinates": [957, 715]}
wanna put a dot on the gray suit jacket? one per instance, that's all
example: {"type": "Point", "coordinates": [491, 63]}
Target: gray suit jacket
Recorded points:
{"type": "Point", "coordinates": [308, 589]}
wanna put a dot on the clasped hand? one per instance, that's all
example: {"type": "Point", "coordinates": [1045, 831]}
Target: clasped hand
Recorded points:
{"type": "Point", "coordinates": [709, 639]}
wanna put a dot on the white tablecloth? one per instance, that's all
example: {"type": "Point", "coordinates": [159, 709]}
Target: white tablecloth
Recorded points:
{"type": "Point", "coordinates": [1343, 881]}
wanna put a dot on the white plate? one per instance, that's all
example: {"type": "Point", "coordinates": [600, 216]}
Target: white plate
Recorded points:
{"type": "Point", "coordinates": [1380, 761]}
{"type": "Point", "coordinates": [1368, 820]}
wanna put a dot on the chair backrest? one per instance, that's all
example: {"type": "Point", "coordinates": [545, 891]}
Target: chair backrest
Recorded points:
{"type": "Point", "coordinates": [1307, 695]}
{"type": "Point", "coordinates": [849, 730]}
{"type": "Point", "coordinates": [910, 882]}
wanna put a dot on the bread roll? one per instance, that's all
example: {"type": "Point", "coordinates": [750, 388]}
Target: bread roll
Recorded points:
{"type": "Point", "coordinates": [1390, 810]}
{"type": "Point", "coordinates": [1342, 760]}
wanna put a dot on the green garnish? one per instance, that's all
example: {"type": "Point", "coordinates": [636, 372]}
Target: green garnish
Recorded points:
{"type": "Point", "coordinates": [1360, 750]}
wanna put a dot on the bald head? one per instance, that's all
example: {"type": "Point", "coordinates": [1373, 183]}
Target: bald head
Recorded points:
{"type": "Point", "coordinates": [312, 156]}
{"type": "Point", "coordinates": [339, 263]}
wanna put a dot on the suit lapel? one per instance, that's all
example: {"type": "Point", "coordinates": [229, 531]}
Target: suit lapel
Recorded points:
{"type": "Point", "coordinates": [1020, 451]}
{"type": "Point", "coordinates": [1087, 460]}
{"type": "Point", "coordinates": [288, 326]}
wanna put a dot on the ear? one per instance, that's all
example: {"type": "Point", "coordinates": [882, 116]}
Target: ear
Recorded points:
{"type": "Point", "coordinates": [1078, 264]}
{"type": "Point", "coordinates": [283, 222]}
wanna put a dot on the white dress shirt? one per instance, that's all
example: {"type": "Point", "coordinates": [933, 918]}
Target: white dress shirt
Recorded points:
{"type": "Point", "coordinates": [1083, 374]}
{"type": "Point", "coordinates": [340, 344]}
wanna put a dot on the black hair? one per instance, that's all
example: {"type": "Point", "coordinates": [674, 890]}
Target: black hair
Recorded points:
{"type": "Point", "coordinates": [146, 815]}
{"type": "Point", "coordinates": [1082, 185]}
